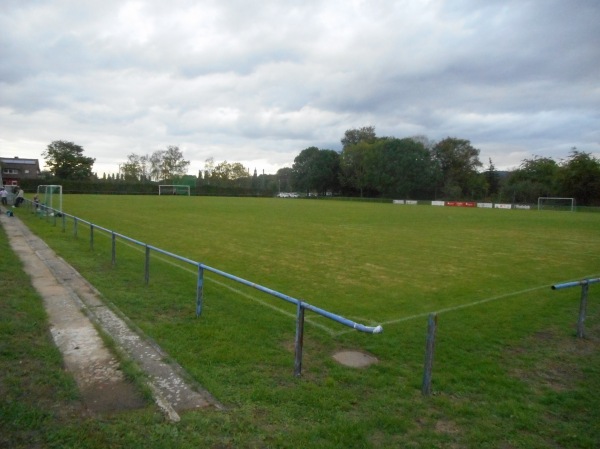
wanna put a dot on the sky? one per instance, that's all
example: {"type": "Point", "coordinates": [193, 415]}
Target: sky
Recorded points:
{"type": "Point", "coordinates": [258, 82]}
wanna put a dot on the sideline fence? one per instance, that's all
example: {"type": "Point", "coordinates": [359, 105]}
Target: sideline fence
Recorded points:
{"type": "Point", "coordinates": [584, 284]}
{"type": "Point", "coordinates": [51, 214]}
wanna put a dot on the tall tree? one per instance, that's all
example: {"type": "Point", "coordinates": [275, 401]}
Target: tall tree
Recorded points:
{"type": "Point", "coordinates": [356, 135]}
{"type": "Point", "coordinates": [174, 164]}
{"type": "Point", "coordinates": [166, 164]}
{"type": "Point", "coordinates": [458, 162]}
{"type": "Point", "coordinates": [224, 173]}
{"type": "Point", "coordinates": [65, 160]}
{"type": "Point", "coordinates": [303, 169]}
{"type": "Point", "coordinates": [402, 167]}
{"type": "Point", "coordinates": [534, 178]}
{"type": "Point", "coordinates": [355, 161]}
{"type": "Point", "coordinates": [492, 178]}
{"type": "Point", "coordinates": [134, 169]}
{"type": "Point", "coordinates": [316, 169]}
{"type": "Point", "coordinates": [580, 178]}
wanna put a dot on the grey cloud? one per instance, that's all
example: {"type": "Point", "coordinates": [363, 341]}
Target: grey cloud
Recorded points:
{"type": "Point", "coordinates": [245, 81]}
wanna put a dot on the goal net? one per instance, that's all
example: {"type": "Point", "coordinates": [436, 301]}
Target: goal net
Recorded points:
{"type": "Point", "coordinates": [50, 197]}
{"type": "Point", "coordinates": [173, 189]}
{"type": "Point", "coordinates": [554, 203]}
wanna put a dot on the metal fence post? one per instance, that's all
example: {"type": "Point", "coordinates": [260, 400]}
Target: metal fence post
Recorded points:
{"type": "Point", "coordinates": [64, 222]}
{"type": "Point", "coordinates": [114, 248]}
{"type": "Point", "coordinates": [147, 267]}
{"type": "Point", "coordinates": [429, 350]}
{"type": "Point", "coordinates": [299, 339]}
{"type": "Point", "coordinates": [75, 226]}
{"type": "Point", "coordinates": [91, 236]}
{"type": "Point", "coordinates": [582, 309]}
{"type": "Point", "coordinates": [199, 290]}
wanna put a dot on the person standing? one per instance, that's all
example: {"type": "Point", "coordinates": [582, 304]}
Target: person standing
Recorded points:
{"type": "Point", "coordinates": [3, 195]}
{"type": "Point", "coordinates": [20, 197]}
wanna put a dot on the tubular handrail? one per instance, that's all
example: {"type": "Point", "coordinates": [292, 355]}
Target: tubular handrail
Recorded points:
{"type": "Point", "coordinates": [301, 305]}
{"type": "Point", "coordinates": [575, 283]}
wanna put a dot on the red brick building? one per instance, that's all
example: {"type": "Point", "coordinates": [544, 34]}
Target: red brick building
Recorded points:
{"type": "Point", "coordinates": [14, 169]}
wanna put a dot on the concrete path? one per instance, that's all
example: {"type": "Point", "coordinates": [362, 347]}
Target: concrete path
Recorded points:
{"type": "Point", "coordinates": [73, 305]}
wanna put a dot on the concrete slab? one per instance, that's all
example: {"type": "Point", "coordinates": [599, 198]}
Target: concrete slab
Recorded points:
{"type": "Point", "coordinates": [73, 305]}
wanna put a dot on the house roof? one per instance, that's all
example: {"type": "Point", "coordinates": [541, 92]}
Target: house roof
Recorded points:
{"type": "Point", "coordinates": [18, 161]}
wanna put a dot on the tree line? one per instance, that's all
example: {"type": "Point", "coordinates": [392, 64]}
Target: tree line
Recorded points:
{"type": "Point", "coordinates": [367, 166]}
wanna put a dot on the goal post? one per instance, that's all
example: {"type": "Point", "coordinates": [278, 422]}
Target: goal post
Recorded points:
{"type": "Point", "coordinates": [556, 203]}
{"type": "Point", "coordinates": [50, 196]}
{"type": "Point", "coordinates": [173, 189]}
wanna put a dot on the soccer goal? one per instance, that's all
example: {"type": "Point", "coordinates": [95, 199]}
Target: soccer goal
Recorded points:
{"type": "Point", "coordinates": [50, 196]}
{"type": "Point", "coordinates": [174, 189]}
{"type": "Point", "coordinates": [554, 203]}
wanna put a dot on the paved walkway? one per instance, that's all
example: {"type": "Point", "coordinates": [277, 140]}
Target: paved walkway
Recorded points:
{"type": "Point", "coordinates": [73, 305]}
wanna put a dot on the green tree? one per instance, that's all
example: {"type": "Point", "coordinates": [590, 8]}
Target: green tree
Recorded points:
{"type": "Point", "coordinates": [534, 178]}
{"type": "Point", "coordinates": [167, 164]}
{"type": "Point", "coordinates": [65, 160]}
{"type": "Point", "coordinates": [135, 168]}
{"type": "Point", "coordinates": [457, 161]}
{"type": "Point", "coordinates": [224, 173]}
{"type": "Point", "coordinates": [173, 163]}
{"type": "Point", "coordinates": [402, 167]}
{"type": "Point", "coordinates": [316, 169]}
{"type": "Point", "coordinates": [492, 179]}
{"type": "Point", "coordinates": [356, 135]}
{"type": "Point", "coordinates": [580, 178]}
{"type": "Point", "coordinates": [303, 169]}
{"type": "Point", "coordinates": [327, 171]}
{"type": "Point", "coordinates": [284, 179]}
{"type": "Point", "coordinates": [355, 162]}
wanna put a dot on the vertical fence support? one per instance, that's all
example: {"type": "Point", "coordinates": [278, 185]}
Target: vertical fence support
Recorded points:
{"type": "Point", "coordinates": [64, 222]}
{"type": "Point", "coordinates": [147, 266]}
{"type": "Point", "coordinates": [75, 226]}
{"type": "Point", "coordinates": [429, 350]}
{"type": "Point", "coordinates": [54, 219]}
{"type": "Point", "coordinates": [199, 290]}
{"type": "Point", "coordinates": [585, 285]}
{"type": "Point", "coordinates": [299, 339]}
{"type": "Point", "coordinates": [91, 236]}
{"type": "Point", "coordinates": [114, 248]}
{"type": "Point", "coordinates": [582, 310]}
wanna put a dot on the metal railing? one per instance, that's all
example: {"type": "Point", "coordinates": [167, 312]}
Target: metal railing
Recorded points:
{"type": "Point", "coordinates": [584, 284]}
{"type": "Point", "coordinates": [301, 306]}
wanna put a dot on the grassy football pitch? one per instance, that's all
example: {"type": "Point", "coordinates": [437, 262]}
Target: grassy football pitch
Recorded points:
{"type": "Point", "coordinates": [507, 370]}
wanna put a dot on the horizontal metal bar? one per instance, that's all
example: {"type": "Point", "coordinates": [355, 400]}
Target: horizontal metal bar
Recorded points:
{"type": "Point", "coordinates": [290, 299]}
{"type": "Point", "coordinates": [344, 321]}
{"type": "Point", "coordinates": [575, 283]}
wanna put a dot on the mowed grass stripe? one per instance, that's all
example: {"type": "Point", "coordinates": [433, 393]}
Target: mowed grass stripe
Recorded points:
{"type": "Point", "coordinates": [360, 257]}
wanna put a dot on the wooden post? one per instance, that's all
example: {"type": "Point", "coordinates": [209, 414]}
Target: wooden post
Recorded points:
{"type": "Point", "coordinates": [582, 310]}
{"type": "Point", "coordinates": [429, 350]}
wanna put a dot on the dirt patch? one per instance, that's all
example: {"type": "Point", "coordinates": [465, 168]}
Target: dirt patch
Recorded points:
{"type": "Point", "coordinates": [355, 359]}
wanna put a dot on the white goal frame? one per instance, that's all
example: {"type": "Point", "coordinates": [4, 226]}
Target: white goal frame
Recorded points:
{"type": "Point", "coordinates": [173, 189]}
{"type": "Point", "coordinates": [49, 191]}
{"type": "Point", "coordinates": [569, 203]}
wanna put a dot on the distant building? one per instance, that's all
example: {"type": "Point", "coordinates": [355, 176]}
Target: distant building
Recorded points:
{"type": "Point", "coordinates": [15, 169]}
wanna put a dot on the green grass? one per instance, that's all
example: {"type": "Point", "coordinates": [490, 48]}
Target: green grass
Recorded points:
{"type": "Point", "coordinates": [508, 369]}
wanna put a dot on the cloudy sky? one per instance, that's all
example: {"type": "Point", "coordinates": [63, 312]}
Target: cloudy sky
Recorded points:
{"type": "Point", "coordinates": [258, 82]}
